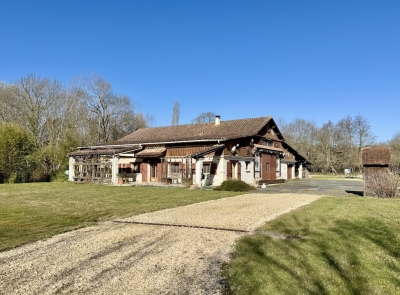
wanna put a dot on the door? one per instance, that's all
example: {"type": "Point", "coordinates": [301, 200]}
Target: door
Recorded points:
{"type": "Point", "coordinates": [268, 167]}
{"type": "Point", "coordinates": [289, 172]}
{"type": "Point", "coordinates": [153, 171]}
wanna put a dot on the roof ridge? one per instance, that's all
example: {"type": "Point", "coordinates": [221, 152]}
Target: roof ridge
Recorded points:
{"type": "Point", "coordinates": [209, 123]}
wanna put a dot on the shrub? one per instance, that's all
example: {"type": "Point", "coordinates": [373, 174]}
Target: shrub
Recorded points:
{"type": "Point", "coordinates": [234, 185]}
{"type": "Point", "coordinates": [382, 185]}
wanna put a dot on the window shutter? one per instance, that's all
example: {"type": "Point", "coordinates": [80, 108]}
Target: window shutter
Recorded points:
{"type": "Point", "coordinates": [213, 168]}
{"type": "Point", "coordinates": [229, 170]}
{"type": "Point", "coordinates": [143, 171]}
{"type": "Point", "coordinates": [159, 170]}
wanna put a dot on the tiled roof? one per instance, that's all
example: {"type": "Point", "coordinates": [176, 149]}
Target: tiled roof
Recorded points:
{"type": "Point", "coordinates": [104, 151]}
{"type": "Point", "coordinates": [208, 150]}
{"type": "Point", "coordinates": [198, 132]}
{"type": "Point", "coordinates": [151, 153]}
{"type": "Point", "coordinates": [375, 155]}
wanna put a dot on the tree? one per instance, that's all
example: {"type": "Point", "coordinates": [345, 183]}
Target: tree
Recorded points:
{"type": "Point", "coordinates": [363, 132]}
{"type": "Point", "coordinates": [16, 148]}
{"type": "Point", "coordinates": [175, 114]}
{"type": "Point", "coordinates": [204, 118]}
{"type": "Point", "coordinates": [302, 135]}
{"type": "Point", "coordinates": [6, 101]}
{"type": "Point", "coordinates": [104, 107]}
{"type": "Point", "coordinates": [394, 144]}
{"type": "Point", "coordinates": [33, 102]}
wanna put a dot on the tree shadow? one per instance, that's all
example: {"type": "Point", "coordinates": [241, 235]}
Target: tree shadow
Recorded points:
{"type": "Point", "coordinates": [328, 261]}
{"type": "Point", "coordinates": [357, 193]}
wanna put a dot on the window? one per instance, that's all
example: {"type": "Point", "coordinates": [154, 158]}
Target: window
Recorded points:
{"type": "Point", "coordinates": [175, 168]}
{"type": "Point", "coordinates": [247, 166]}
{"type": "Point", "coordinates": [267, 142]}
{"type": "Point", "coordinates": [207, 168]}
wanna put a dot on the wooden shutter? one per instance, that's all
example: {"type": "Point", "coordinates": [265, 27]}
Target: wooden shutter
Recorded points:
{"type": "Point", "coordinates": [165, 169]}
{"type": "Point", "coordinates": [213, 168]}
{"type": "Point", "coordinates": [143, 171]}
{"type": "Point", "coordinates": [229, 170]}
{"type": "Point", "coordinates": [272, 167]}
{"type": "Point", "coordinates": [239, 172]}
{"type": "Point", "coordinates": [159, 172]}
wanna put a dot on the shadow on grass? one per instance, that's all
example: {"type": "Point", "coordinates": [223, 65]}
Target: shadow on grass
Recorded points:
{"type": "Point", "coordinates": [348, 257]}
{"type": "Point", "coordinates": [357, 193]}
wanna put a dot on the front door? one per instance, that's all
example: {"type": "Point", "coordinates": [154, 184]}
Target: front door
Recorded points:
{"type": "Point", "coordinates": [268, 167]}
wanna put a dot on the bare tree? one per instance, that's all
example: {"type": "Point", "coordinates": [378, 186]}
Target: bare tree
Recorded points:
{"type": "Point", "coordinates": [104, 107]}
{"type": "Point", "coordinates": [302, 135]}
{"type": "Point", "coordinates": [176, 112]}
{"type": "Point", "coordinates": [363, 132]}
{"type": "Point", "coordinates": [36, 103]}
{"type": "Point", "coordinates": [204, 118]}
{"type": "Point", "coordinates": [394, 144]}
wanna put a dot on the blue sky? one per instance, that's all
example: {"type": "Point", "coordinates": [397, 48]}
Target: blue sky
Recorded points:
{"type": "Point", "coordinates": [316, 60]}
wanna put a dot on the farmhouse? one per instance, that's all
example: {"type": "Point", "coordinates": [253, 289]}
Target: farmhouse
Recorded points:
{"type": "Point", "coordinates": [253, 150]}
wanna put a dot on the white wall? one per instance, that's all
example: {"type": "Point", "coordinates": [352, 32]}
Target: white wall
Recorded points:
{"type": "Point", "coordinates": [284, 171]}
{"type": "Point", "coordinates": [247, 175]}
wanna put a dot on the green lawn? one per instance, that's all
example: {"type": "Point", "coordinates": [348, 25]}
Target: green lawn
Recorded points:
{"type": "Point", "coordinates": [337, 246]}
{"type": "Point", "coordinates": [34, 211]}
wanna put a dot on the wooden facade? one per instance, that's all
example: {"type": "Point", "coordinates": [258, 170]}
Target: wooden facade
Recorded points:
{"type": "Point", "coordinates": [252, 150]}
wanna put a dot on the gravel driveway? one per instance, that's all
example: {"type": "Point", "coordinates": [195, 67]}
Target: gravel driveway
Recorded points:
{"type": "Point", "coordinates": [173, 251]}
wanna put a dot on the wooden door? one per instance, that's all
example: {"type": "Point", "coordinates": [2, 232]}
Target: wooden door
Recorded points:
{"type": "Point", "coordinates": [239, 172]}
{"type": "Point", "coordinates": [268, 167]}
{"type": "Point", "coordinates": [289, 171]}
{"type": "Point", "coordinates": [143, 171]}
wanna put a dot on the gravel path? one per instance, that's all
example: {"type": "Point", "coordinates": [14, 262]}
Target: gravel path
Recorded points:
{"type": "Point", "coordinates": [129, 258]}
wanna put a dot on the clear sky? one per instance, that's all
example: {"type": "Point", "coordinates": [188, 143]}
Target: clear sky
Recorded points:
{"type": "Point", "coordinates": [315, 60]}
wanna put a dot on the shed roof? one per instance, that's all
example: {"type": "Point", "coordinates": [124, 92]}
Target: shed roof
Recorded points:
{"type": "Point", "coordinates": [104, 151]}
{"type": "Point", "coordinates": [151, 153]}
{"type": "Point", "coordinates": [375, 155]}
{"type": "Point", "coordinates": [198, 132]}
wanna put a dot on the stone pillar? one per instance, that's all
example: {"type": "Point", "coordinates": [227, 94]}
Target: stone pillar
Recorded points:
{"type": "Point", "coordinates": [199, 170]}
{"type": "Point", "coordinates": [71, 173]}
{"type": "Point", "coordinates": [114, 169]}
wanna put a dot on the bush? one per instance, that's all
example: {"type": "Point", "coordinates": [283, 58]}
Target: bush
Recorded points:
{"type": "Point", "coordinates": [382, 185]}
{"type": "Point", "coordinates": [234, 186]}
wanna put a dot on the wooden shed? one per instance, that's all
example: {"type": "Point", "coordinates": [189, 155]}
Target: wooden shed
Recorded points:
{"type": "Point", "coordinates": [374, 160]}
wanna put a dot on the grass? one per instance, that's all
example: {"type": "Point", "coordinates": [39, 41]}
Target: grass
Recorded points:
{"type": "Point", "coordinates": [34, 211]}
{"type": "Point", "coordinates": [335, 246]}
